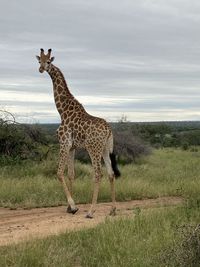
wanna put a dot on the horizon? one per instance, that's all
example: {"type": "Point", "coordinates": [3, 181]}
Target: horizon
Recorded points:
{"type": "Point", "coordinates": [149, 122]}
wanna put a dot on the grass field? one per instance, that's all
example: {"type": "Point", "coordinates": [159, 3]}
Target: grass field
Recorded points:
{"type": "Point", "coordinates": [153, 237]}
{"type": "Point", "coordinates": [166, 172]}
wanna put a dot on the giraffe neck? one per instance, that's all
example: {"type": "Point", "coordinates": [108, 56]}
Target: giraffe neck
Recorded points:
{"type": "Point", "coordinates": [60, 89]}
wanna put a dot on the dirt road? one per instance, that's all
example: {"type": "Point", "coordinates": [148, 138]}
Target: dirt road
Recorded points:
{"type": "Point", "coordinates": [19, 225]}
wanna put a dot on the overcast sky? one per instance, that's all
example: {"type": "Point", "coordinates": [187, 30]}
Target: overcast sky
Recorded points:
{"type": "Point", "coordinates": [138, 58]}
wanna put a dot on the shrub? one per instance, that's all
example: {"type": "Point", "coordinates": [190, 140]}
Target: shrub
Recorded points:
{"type": "Point", "coordinates": [20, 141]}
{"type": "Point", "coordinates": [185, 146]}
{"type": "Point", "coordinates": [129, 147]}
{"type": "Point", "coordinates": [82, 155]}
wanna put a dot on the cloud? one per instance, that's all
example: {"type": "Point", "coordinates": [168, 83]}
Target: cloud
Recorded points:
{"type": "Point", "coordinates": [140, 57]}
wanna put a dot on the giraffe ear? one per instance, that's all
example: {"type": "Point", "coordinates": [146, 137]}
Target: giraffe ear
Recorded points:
{"type": "Point", "coordinates": [38, 58]}
{"type": "Point", "coordinates": [52, 59]}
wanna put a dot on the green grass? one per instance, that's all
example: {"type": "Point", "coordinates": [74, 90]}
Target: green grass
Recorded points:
{"type": "Point", "coordinates": [167, 172]}
{"type": "Point", "coordinates": [148, 238]}
{"type": "Point", "coordinates": [141, 240]}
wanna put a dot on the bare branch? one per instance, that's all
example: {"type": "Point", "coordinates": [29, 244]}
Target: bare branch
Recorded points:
{"type": "Point", "coordinates": [5, 117]}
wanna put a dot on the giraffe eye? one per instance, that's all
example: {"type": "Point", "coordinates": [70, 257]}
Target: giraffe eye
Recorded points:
{"type": "Point", "coordinates": [48, 62]}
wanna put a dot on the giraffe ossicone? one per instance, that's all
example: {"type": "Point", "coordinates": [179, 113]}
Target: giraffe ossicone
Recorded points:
{"type": "Point", "coordinates": [79, 129]}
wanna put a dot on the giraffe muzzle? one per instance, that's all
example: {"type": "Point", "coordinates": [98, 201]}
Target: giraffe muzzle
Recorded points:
{"type": "Point", "coordinates": [41, 70]}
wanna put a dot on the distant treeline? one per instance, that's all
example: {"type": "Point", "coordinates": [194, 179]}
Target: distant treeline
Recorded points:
{"type": "Point", "coordinates": [164, 134]}
{"type": "Point", "coordinates": [132, 140]}
{"type": "Point", "coordinates": [157, 134]}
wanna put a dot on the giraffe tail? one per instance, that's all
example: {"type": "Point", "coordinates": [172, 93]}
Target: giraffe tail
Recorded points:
{"type": "Point", "coordinates": [114, 165]}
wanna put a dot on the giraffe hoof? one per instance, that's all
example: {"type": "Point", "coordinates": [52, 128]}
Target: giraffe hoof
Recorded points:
{"type": "Point", "coordinates": [113, 211]}
{"type": "Point", "coordinates": [70, 210]}
{"type": "Point", "coordinates": [89, 216]}
{"type": "Point", "coordinates": [74, 210]}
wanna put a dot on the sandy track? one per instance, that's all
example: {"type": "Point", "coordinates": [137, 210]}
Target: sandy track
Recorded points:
{"type": "Point", "coordinates": [20, 225]}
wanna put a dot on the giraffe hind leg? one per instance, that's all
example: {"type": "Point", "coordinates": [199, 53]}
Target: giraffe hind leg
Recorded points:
{"type": "Point", "coordinates": [107, 161]}
{"type": "Point", "coordinates": [96, 163]}
{"type": "Point", "coordinates": [94, 198]}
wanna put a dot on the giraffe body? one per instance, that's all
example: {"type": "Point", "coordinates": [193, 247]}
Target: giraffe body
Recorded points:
{"type": "Point", "coordinates": [78, 129]}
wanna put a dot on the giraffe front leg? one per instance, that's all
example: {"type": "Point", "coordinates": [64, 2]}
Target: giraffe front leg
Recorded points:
{"type": "Point", "coordinates": [71, 174]}
{"type": "Point", "coordinates": [64, 151]}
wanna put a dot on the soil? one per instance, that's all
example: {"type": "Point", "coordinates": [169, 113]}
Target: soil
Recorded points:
{"type": "Point", "coordinates": [21, 225]}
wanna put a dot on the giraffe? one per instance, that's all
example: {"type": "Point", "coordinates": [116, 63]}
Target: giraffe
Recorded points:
{"type": "Point", "coordinates": [78, 129]}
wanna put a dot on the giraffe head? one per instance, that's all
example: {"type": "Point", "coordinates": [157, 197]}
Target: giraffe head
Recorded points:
{"type": "Point", "coordinates": [44, 60]}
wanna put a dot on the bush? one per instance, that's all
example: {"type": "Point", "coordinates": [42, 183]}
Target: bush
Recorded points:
{"type": "Point", "coordinates": [20, 141]}
{"type": "Point", "coordinates": [82, 155]}
{"type": "Point", "coordinates": [129, 147]}
{"type": "Point", "coordinates": [185, 146]}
